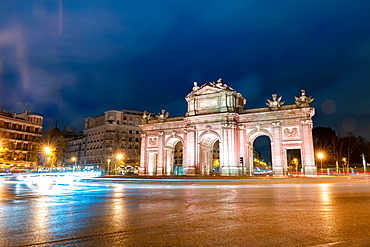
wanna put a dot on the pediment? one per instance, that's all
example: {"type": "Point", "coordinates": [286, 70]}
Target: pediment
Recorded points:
{"type": "Point", "coordinates": [211, 88]}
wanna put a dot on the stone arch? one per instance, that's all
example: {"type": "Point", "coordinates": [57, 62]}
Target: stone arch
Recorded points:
{"type": "Point", "coordinates": [252, 136]}
{"type": "Point", "coordinates": [207, 141]}
{"type": "Point", "coordinates": [170, 149]}
{"type": "Point", "coordinates": [172, 141]}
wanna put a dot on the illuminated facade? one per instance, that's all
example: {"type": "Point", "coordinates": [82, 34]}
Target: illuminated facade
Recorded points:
{"type": "Point", "coordinates": [217, 134]}
{"type": "Point", "coordinates": [20, 135]}
{"type": "Point", "coordinates": [114, 132]}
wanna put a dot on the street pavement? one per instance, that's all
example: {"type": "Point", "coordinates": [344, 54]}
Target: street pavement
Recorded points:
{"type": "Point", "coordinates": [116, 211]}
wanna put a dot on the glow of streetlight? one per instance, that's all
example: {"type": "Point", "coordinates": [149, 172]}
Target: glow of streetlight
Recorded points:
{"type": "Point", "coordinates": [320, 156]}
{"type": "Point", "coordinates": [47, 150]}
{"type": "Point", "coordinates": [108, 161]}
{"type": "Point", "coordinates": [119, 156]}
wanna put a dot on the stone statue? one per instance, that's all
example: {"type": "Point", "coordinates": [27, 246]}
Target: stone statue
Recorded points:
{"type": "Point", "coordinates": [303, 100]}
{"type": "Point", "coordinates": [196, 87]}
{"type": "Point", "coordinates": [275, 103]}
{"type": "Point", "coordinates": [146, 117]}
{"type": "Point", "coordinates": [163, 115]}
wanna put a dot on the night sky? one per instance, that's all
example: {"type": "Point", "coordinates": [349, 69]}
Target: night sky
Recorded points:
{"type": "Point", "coordinates": [72, 59]}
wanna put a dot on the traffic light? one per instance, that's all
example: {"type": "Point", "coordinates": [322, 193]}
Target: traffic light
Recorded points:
{"type": "Point", "coordinates": [241, 160]}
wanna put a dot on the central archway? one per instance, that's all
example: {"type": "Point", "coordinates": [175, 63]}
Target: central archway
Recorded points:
{"type": "Point", "coordinates": [209, 158]}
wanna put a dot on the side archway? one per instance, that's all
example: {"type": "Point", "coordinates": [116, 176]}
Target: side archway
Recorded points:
{"type": "Point", "coordinates": [174, 156]}
{"type": "Point", "coordinates": [255, 160]}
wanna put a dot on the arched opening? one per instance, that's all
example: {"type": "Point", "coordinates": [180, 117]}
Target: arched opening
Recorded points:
{"type": "Point", "coordinates": [262, 160]}
{"type": "Point", "coordinates": [209, 155]}
{"type": "Point", "coordinates": [174, 163]}
{"type": "Point", "coordinates": [216, 158]}
{"type": "Point", "coordinates": [177, 159]}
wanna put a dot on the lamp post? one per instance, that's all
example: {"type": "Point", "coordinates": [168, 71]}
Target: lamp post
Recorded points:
{"type": "Point", "coordinates": [320, 156]}
{"type": "Point", "coordinates": [74, 159]}
{"type": "Point", "coordinates": [108, 161]}
{"type": "Point", "coordinates": [48, 152]}
{"type": "Point", "coordinates": [363, 162]}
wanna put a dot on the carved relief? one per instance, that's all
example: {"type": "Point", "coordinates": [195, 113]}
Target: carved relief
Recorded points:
{"type": "Point", "coordinates": [291, 132]}
{"type": "Point", "coordinates": [173, 133]}
{"type": "Point", "coordinates": [307, 122]}
{"type": "Point", "coordinates": [229, 126]}
{"type": "Point", "coordinates": [258, 127]}
{"type": "Point", "coordinates": [152, 141]}
{"type": "Point", "coordinates": [276, 124]}
{"type": "Point", "coordinates": [189, 128]}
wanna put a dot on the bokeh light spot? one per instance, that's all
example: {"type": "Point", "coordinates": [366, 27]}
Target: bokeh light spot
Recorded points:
{"type": "Point", "coordinates": [349, 124]}
{"type": "Point", "coordinates": [328, 106]}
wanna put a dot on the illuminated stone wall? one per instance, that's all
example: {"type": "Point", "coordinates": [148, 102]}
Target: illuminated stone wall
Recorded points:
{"type": "Point", "coordinates": [215, 113]}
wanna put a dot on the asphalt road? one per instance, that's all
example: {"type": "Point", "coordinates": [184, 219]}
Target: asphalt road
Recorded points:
{"type": "Point", "coordinates": [249, 212]}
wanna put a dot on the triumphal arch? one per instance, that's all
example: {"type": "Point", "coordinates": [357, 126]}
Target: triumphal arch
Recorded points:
{"type": "Point", "coordinates": [216, 136]}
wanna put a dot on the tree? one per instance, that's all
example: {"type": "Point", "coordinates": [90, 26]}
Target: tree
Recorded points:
{"type": "Point", "coordinates": [337, 147]}
{"type": "Point", "coordinates": [57, 141]}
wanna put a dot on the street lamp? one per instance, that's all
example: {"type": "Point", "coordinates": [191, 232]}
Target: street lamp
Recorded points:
{"type": "Point", "coordinates": [119, 157]}
{"type": "Point", "coordinates": [74, 159]}
{"type": "Point", "coordinates": [320, 156]}
{"type": "Point", "coordinates": [108, 161]}
{"type": "Point", "coordinates": [48, 152]}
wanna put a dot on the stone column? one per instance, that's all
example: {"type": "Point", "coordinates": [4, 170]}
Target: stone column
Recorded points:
{"type": "Point", "coordinates": [241, 149]}
{"type": "Point", "coordinates": [308, 154]}
{"type": "Point", "coordinates": [191, 151]}
{"type": "Point", "coordinates": [143, 155]}
{"type": "Point", "coordinates": [169, 161]}
{"type": "Point", "coordinates": [224, 169]}
{"type": "Point", "coordinates": [249, 159]}
{"type": "Point", "coordinates": [277, 151]}
{"type": "Point", "coordinates": [230, 166]}
{"type": "Point", "coordinates": [161, 153]}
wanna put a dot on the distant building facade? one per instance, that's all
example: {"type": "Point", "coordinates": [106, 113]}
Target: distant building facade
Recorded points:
{"type": "Point", "coordinates": [216, 136]}
{"type": "Point", "coordinates": [20, 136]}
{"type": "Point", "coordinates": [104, 138]}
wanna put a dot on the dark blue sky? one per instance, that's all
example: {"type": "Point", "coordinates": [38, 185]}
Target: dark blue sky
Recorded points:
{"type": "Point", "coordinates": [71, 59]}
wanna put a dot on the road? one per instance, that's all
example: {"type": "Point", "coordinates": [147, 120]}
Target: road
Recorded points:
{"type": "Point", "coordinates": [249, 212]}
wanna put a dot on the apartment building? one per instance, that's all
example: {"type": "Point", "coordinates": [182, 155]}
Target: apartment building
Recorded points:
{"type": "Point", "coordinates": [110, 141]}
{"type": "Point", "coordinates": [20, 135]}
